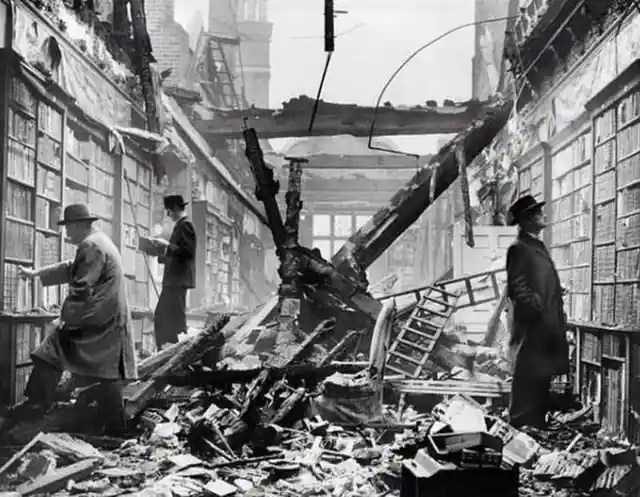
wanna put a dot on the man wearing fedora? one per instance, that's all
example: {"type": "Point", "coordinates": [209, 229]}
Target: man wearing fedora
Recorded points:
{"type": "Point", "coordinates": [178, 256]}
{"type": "Point", "coordinates": [538, 339]}
{"type": "Point", "coordinates": [93, 339]}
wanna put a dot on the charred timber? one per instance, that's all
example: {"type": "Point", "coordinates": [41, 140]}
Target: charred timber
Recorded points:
{"type": "Point", "coordinates": [299, 372]}
{"type": "Point", "coordinates": [338, 119]}
{"type": "Point", "coordinates": [343, 281]}
{"type": "Point", "coordinates": [267, 187]}
{"type": "Point", "coordinates": [290, 289]}
{"type": "Point", "coordinates": [406, 206]}
{"type": "Point", "coordinates": [190, 353]}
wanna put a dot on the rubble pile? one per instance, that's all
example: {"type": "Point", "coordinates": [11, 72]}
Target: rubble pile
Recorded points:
{"type": "Point", "coordinates": [298, 421]}
{"type": "Point", "coordinates": [265, 438]}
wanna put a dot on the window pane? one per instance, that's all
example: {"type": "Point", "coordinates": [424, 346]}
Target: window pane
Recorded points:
{"type": "Point", "coordinates": [337, 245]}
{"type": "Point", "coordinates": [361, 221]}
{"type": "Point", "coordinates": [343, 225]}
{"type": "Point", "coordinates": [324, 246]}
{"type": "Point", "coordinates": [321, 225]}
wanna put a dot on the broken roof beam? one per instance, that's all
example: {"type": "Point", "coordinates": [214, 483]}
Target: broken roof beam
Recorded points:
{"type": "Point", "coordinates": [389, 223]}
{"type": "Point", "coordinates": [362, 161]}
{"type": "Point", "coordinates": [338, 119]}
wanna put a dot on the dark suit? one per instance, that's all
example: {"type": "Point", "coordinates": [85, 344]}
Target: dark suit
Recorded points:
{"type": "Point", "coordinates": [538, 331]}
{"type": "Point", "coordinates": [179, 275]}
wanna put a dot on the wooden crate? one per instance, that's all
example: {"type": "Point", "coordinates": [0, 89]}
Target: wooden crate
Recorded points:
{"type": "Point", "coordinates": [19, 336]}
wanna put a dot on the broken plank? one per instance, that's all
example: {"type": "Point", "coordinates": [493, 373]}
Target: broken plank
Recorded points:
{"type": "Point", "coordinates": [193, 351]}
{"type": "Point", "coordinates": [58, 479]}
{"type": "Point", "coordinates": [340, 347]}
{"type": "Point", "coordinates": [435, 387]}
{"type": "Point", "coordinates": [300, 352]}
{"type": "Point", "coordinates": [16, 457]}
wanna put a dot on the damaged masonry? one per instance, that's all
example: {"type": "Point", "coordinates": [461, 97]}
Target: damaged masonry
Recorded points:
{"type": "Point", "coordinates": [501, 359]}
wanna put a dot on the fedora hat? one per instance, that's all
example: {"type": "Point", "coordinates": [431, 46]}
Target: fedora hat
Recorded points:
{"type": "Point", "coordinates": [76, 213]}
{"type": "Point", "coordinates": [171, 201]}
{"type": "Point", "coordinates": [522, 207]}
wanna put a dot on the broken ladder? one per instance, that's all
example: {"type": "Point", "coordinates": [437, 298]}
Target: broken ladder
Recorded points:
{"type": "Point", "coordinates": [410, 350]}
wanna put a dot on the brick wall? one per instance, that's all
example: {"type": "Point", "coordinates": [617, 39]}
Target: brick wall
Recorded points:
{"type": "Point", "coordinates": [169, 40]}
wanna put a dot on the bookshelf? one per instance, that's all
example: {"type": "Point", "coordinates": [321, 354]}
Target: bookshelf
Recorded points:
{"type": "Point", "coordinates": [33, 196]}
{"type": "Point", "coordinates": [136, 198]}
{"type": "Point", "coordinates": [207, 254]}
{"type": "Point", "coordinates": [617, 220]}
{"type": "Point", "coordinates": [76, 177]}
{"type": "Point", "coordinates": [531, 179]}
{"type": "Point", "coordinates": [33, 201]}
{"type": "Point", "coordinates": [570, 222]}
{"type": "Point", "coordinates": [102, 169]}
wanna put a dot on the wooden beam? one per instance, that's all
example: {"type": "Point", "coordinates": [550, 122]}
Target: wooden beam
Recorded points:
{"type": "Point", "coordinates": [338, 119]}
{"type": "Point", "coordinates": [362, 161]}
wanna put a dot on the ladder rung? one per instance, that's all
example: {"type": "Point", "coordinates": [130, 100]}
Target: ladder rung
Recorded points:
{"type": "Point", "coordinates": [397, 370]}
{"type": "Point", "coordinates": [436, 288]}
{"type": "Point", "coordinates": [409, 343]}
{"type": "Point", "coordinates": [467, 284]}
{"type": "Point", "coordinates": [420, 333]}
{"type": "Point", "coordinates": [424, 321]}
{"type": "Point", "coordinates": [437, 313]}
{"type": "Point", "coordinates": [441, 302]}
{"type": "Point", "coordinates": [405, 357]}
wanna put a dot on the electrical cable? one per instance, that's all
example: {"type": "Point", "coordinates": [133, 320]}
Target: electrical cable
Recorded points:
{"type": "Point", "coordinates": [404, 64]}
{"type": "Point", "coordinates": [319, 94]}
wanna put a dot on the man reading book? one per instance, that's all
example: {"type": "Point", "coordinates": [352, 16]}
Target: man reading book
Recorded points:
{"type": "Point", "coordinates": [178, 256]}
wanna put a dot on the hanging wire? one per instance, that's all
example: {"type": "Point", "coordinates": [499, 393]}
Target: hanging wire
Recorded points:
{"type": "Point", "coordinates": [319, 94]}
{"type": "Point", "coordinates": [404, 64]}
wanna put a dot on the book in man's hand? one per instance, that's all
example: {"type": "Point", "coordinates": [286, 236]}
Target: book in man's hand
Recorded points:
{"type": "Point", "coordinates": [150, 246]}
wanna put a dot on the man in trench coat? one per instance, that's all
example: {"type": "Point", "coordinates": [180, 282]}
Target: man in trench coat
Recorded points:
{"type": "Point", "coordinates": [178, 255]}
{"type": "Point", "coordinates": [93, 340]}
{"type": "Point", "coordinates": [538, 338]}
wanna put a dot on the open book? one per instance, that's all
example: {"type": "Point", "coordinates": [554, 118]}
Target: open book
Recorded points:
{"type": "Point", "coordinates": [149, 246]}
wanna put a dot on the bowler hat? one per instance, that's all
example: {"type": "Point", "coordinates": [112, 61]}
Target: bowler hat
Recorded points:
{"type": "Point", "coordinates": [171, 201]}
{"type": "Point", "coordinates": [76, 213]}
{"type": "Point", "coordinates": [521, 207]}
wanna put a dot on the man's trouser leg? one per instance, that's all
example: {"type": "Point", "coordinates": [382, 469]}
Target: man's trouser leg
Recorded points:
{"type": "Point", "coordinates": [39, 392]}
{"type": "Point", "coordinates": [42, 384]}
{"type": "Point", "coordinates": [111, 403]}
{"type": "Point", "coordinates": [529, 401]}
{"type": "Point", "coordinates": [108, 396]}
{"type": "Point", "coordinates": [170, 318]}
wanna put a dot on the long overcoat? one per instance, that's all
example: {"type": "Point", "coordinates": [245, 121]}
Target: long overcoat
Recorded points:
{"type": "Point", "coordinates": [95, 339]}
{"type": "Point", "coordinates": [538, 338]}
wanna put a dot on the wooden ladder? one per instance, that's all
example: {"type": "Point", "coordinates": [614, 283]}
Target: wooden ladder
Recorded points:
{"type": "Point", "coordinates": [220, 73]}
{"type": "Point", "coordinates": [474, 289]}
{"type": "Point", "coordinates": [410, 350]}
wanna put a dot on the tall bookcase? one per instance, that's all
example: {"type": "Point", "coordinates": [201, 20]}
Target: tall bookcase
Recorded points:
{"type": "Point", "coordinates": [33, 196]}
{"type": "Point", "coordinates": [570, 222]}
{"type": "Point", "coordinates": [33, 200]}
{"type": "Point", "coordinates": [76, 177]}
{"type": "Point", "coordinates": [137, 216]}
{"type": "Point", "coordinates": [616, 277]}
{"type": "Point", "coordinates": [531, 179]}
